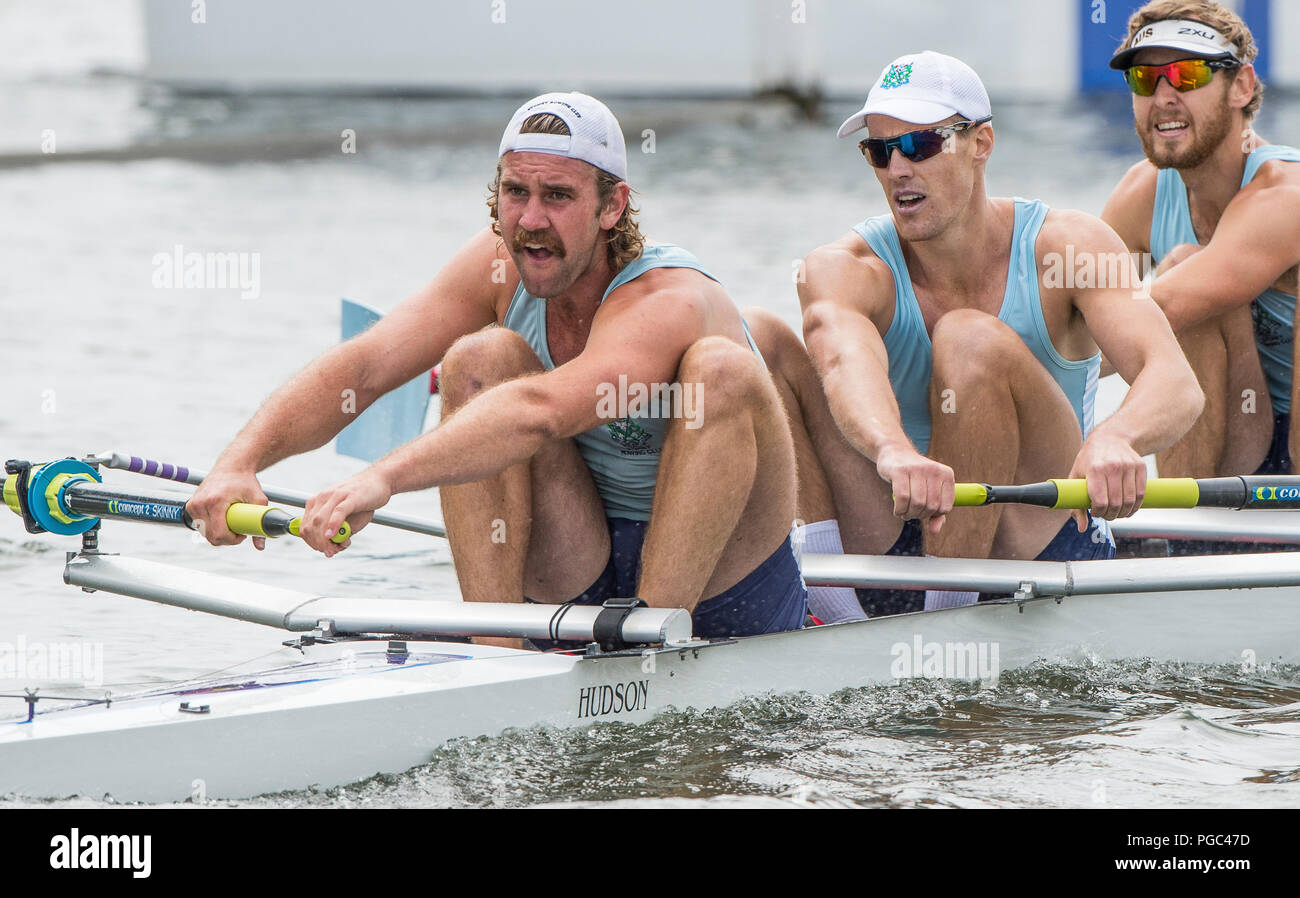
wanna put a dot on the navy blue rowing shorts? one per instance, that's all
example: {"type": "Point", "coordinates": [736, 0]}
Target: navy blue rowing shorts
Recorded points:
{"type": "Point", "coordinates": [1068, 545]}
{"type": "Point", "coordinates": [1278, 460]}
{"type": "Point", "coordinates": [771, 598]}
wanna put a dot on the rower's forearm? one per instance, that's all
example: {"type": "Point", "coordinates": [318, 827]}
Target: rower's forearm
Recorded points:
{"type": "Point", "coordinates": [499, 428]}
{"type": "Point", "coordinates": [1185, 310]}
{"type": "Point", "coordinates": [1156, 413]}
{"type": "Point", "coordinates": [303, 414]}
{"type": "Point", "coordinates": [867, 413]}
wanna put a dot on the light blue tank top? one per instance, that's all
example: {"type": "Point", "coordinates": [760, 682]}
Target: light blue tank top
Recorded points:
{"type": "Point", "coordinates": [622, 454]}
{"type": "Point", "coordinates": [1273, 310]}
{"type": "Point", "coordinates": [908, 342]}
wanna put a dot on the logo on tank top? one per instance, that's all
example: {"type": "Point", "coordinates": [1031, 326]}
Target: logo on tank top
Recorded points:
{"type": "Point", "coordinates": [631, 437]}
{"type": "Point", "coordinates": [897, 76]}
{"type": "Point", "coordinates": [1268, 330]}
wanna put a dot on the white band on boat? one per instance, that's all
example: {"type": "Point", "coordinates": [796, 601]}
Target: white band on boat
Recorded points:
{"type": "Point", "coordinates": [300, 611]}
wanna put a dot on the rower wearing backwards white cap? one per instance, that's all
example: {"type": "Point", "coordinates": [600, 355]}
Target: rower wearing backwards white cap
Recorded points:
{"type": "Point", "coordinates": [1219, 209]}
{"type": "Point", "coordinates": [945, 348]}
{"type": "Point", "coordinates": [615, 434]}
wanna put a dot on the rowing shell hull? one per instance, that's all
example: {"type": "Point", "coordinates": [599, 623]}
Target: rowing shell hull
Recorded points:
{"type": "Point", "coordinates": [338, 713]}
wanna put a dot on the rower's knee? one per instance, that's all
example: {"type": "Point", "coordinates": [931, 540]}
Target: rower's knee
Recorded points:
{"type": "Point", "coordinates": [775, 339]}
{"type": "Point", "coordinates": [481, 360]}
{"type": "Point", "coordinates": [727, 374]}
{"type": "Point", "coordinates": [972, 346]}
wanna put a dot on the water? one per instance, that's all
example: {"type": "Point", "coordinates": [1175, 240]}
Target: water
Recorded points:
{"type": "Point", "coordinates": [1126, 735]}
{"type": "Point", "coordinates": [95, 358]}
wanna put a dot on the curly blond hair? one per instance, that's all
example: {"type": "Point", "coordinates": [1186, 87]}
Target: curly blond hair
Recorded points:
{"type": "Point", "coordinates": [625, 242]}
{"type": "Point", "coordinates": [1218, 17]}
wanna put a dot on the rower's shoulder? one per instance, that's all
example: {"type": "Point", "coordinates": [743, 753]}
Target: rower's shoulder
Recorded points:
{"type": "Point", "coordinates": [1131, 204]}
{"type": "Point", "coordinates": [668, 293]}
{"type": "Point", "coordinates": [1139, 181]}
{"type": "Point", "coordinates": [1078, 229]}
{"type": "Point", "coordinates": [671, 282]}
{"type": "Point", "coordinates": [847, 266]}
{"type": "Point", "coordinates": [1276, 179]}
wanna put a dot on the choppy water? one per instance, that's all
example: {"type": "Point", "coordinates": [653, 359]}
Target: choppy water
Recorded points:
{"type": "Point", "coordinates": [95, 357]}
{"type": "Point", "coordinates": [1127, 735]}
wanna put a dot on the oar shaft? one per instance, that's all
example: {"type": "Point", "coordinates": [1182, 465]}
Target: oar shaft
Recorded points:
{"type": "Point", "coordinates": [194, 476]}
{"type": "Point", "coordinates": [1256, 491]}
{"type": "Point", "coordinates": [241, 518]}
{"type": "Point", "coordinates": [78, 501]}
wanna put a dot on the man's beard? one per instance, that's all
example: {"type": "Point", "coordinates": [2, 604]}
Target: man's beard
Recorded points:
{"type": "Point", "coordinates": [1209, 133]}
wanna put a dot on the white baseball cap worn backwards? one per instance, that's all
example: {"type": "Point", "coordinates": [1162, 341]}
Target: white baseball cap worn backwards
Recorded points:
{"type": "Point", "coordinates": [594, 134]}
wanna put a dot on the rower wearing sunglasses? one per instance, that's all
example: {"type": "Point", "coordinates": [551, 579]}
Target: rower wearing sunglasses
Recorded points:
{"type": "Point", "coordinates": [1219, 210]}
{"type": "Point", "coordinates": [943, 349]}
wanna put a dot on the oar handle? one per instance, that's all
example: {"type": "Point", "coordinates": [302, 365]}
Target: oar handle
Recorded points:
{"type": "Point", "coordinates": [1161, 492]}
{"type": "Point", "coordinates": [263, 520]}
{"type": "Point", "coordinates": [195, 476]}
{"type": "Point", "coordinates": [67, 497]}
{"type": "Point", "coordinates": [1256, 491]}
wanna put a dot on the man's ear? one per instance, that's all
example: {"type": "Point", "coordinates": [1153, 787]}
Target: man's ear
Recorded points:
{"type": "Point", "coordinates": [983, 138]}
{"type": "Point", "coordinates": [1242, 87]}
{"type": "Point", "coordinates": [614, 206]}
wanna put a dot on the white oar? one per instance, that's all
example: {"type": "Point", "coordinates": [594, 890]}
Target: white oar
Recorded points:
{"type": "Point", "coordinates": [182, 474]}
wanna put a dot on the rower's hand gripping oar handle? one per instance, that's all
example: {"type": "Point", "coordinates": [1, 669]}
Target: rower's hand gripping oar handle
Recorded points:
{"type": "Point", "coordinates": [68, 497]}
{"type": "Point", "coordinates": [195, 476]}
{"type": "Point", "coordinates": [263, 520]}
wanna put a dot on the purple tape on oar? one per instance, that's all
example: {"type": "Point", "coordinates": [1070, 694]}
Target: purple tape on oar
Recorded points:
{"type": "Point", "coordinates": [158, 469]}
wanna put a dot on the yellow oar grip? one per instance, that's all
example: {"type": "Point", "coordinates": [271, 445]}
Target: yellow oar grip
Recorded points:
{"type": "Point", "coordinates": [1071, 494]}
{"type": "Point", "coordinates": [247, 520]}
{"type": "Point", "coordinates": [969, 494]}
{"type": "Point", "coordinates": [1172, 492]}
{"type": "Point", "coordinates": [344, 531]}
{"type": "Point", "coordinates": [1161, 492]}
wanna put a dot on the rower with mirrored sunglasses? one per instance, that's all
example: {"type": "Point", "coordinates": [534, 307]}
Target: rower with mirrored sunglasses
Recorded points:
{"type": "Point", "coordinates": [1218, 210]}
{"type": "Point", "coordinates": [1182, 74]}
{"type": "Point", "coordinates": [947, 350]}
{"type": "Point", "coordinates": [916, 146]}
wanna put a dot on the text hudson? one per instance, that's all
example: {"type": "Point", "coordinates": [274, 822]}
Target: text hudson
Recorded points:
{"type": "Point", "coordinates": [597, 701]}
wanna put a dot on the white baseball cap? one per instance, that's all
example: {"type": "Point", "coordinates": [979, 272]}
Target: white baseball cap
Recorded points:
{"type": "Point", "coordinates": [1188, 35]}
{"type": "Point", "coordinates": [922, 88]}
{"type": "Point", "coordinates": [594, 134]}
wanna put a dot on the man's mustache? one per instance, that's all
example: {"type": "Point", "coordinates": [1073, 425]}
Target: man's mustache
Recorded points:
{"type": "Point", "coordinates": [545, 239]}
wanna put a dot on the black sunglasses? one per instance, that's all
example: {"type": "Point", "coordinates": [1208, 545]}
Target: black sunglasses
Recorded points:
{"type": "Point", "coordinates": [914, 145]}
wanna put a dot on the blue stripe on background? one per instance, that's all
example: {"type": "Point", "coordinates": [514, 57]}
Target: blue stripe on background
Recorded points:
{"type": "Point", "coordinates": [1098, 40]}
{"type": "Point", "coordinates": [1259, 20]}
